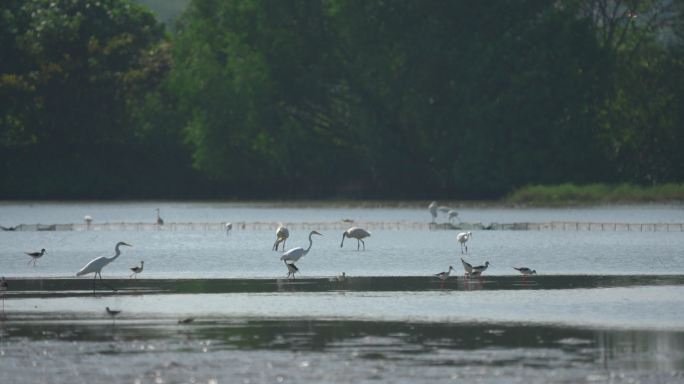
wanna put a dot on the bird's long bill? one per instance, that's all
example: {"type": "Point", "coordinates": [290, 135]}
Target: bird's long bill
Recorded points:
{"type": "Point", "coordinates": [344, 234]}
{"type": "Point", "coordinates": [127, 244]}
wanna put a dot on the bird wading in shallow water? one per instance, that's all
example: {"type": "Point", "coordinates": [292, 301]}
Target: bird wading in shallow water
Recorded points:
{"type": "Point", "coordinates": [463, 238]}
{"type": "Point", "coordinates": [229, 227]}
{"type": "Point", "coordinates": [481, 268]}
{"type": "Point", "coordinates": [35, 256]}
{"type": "Point", "coordinates": [137, 269]}
{"type": "Point", "coordinates": [433, 210]}
{"type": "Point", "coordinates": [297, 253]}
{"type": "Point", "coordinates": [291, 269]}
{"type": "Point", "coordinates": [467, 267]}
{"type": "Point", "coordinates": [282, 233]}
{"type": "Point", "coordinates": [95, 266]}
{"type": "Point", "coordinates": [356, 233]}
{"type": "Point", "coordinates": [160, 221]}
{"type": "Point", "coordinates": [444, 275]}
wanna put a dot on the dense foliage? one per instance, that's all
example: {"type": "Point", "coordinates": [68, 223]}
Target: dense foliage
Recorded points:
{"type": "Point", "coordinates": [338, 98]}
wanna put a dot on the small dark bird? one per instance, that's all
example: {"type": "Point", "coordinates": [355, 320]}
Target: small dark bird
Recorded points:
{"type": "Point", "coordinates": [481, 268]}
{"type": "Point", "coordinates": [187, 320]}
{"type": "Point", "coordinates": [137, 269]}
{"type": "Point", "coordinates": [445, 275]}
{"type": "Point", "coordinates": [525, 271]}
{"type": "Point", "coordinates": [35, 256]}
{"type": "Point", "coordinates": [291, 269]}
{"type": "Point", "coordinates": [8, 228]}
{"type": "Point", "coordinates": [160, 221]}
{"type": "Point", "coordinates": [112, 312]}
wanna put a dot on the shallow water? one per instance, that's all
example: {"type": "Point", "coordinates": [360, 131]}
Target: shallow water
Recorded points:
{"type": "Point", "coordinates": [607, 306]}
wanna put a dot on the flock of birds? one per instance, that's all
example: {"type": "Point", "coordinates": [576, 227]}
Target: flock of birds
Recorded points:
{"type": "Point", "coordinates": [289, 257]}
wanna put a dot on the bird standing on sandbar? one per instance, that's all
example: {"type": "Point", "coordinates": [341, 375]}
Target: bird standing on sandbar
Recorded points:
{"type": "Point", "coordinates": [462, 238]}
{"type": "Point", "coordinates": [137, 269]}
{"type": "Point", "coordinates": [356, 233]}
{"type": "Point", "coordinates": [282, 233]}
{"type": "Point", "coordinates": [35, 256]}
{"type": "Point", "coordinates": [524, 271]}
{"type": "Point", "coordinates": [297, 253]}
{"type": "Point", "coordinates": [444, 275]}
{"type": "Point", "coordinates": [467, 267]}
{"type": "Point", "coordinates": [291, 269]}
{"type": "Point", "coordinates": [481, 268]}
{"type": "Point", "coordinates": [96, 265]}
{"type": "Point", "coordinates": [160, 221]}
{"type": "Point", "coordinates": [433, 210]}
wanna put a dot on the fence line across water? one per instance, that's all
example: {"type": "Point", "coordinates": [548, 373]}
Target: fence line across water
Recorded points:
{"type": "Point", "coordinates": [342, 225]}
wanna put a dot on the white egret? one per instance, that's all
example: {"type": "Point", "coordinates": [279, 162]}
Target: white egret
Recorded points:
{"type": "Point", "coordinates": [160, 221]}
{"type": "Point", "coordinates": [525, 270]}
{"type": "Point", "coordinates": [137, 269]}
{"type": "Point", "coordinates": [481, 268]}
{"type": "Point", "coordinates": [282, 233]}
{"type": "Point", "coordinates": [96, 265]}
{"type": "Point", "coordinates": [433, 210]}
{"type": "Point", "coordinates": [87, 219]}
{"type": "Point", "coordinates": [35, 256]}
{"type": "Point", "coordinates": [462, 238]}
{"type": "Point", "coordinates": [229, 227]}
{"type": "Point", "coordinates": [291, 269]}
{"type": "Point", "coordinates": [295, 254]}
{"type": "Point", "coordinates": [356, 233]}
{"type": "Point", "coordinates": [445, 275]}
{"type": "Point", "coordinates": [467, 267]}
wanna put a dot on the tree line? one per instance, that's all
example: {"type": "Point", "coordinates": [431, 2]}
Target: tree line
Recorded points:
{"type": "Point", "coordinates": [338, 98]}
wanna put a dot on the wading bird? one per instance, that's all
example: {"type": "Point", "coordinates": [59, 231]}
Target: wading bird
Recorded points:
{"type": "Point", "coordinates": [96, 265]}
{"type": "Point", "coordinates": [160, 221]}
{"type": "Point", "coordinates": [524, 271]}
{"type": "Point", "coordinates": [35, 256]}
{"type": "Point", "coordinates": [356, 233]}
{"type": "Point", "coordinates": [282, 233]}
{"type": "Point", "coordinates": [112, 312]}
{"type": "Point", "coordinates": [481, 268]}
{"type": "Point", "coordinates": [295, 254]}
{"type": "Point", "coordinates": [229, 227]}
{"type": "Point", "coordinates": [462, 238]}
{"type": "Point", "coordinates": [444, 275]}
{"type": "Point", "coordinates": [433, 210]}
{"type": "Point", "coordinates": [88, 220]}
{"type": "Point", "coordinates": [187, 320]}
{"type": "Point", "coordinates": [341, 277]}
{"type": "Point", "coordinates": [467, 267]}
{"type": "Point", "coordinates": [291, 269]}
{"type": "Point", "coordinates": [137, 269]}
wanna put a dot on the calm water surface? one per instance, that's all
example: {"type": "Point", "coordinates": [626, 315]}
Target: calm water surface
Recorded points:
{"type": "Point", "coordinates": [606, 306]}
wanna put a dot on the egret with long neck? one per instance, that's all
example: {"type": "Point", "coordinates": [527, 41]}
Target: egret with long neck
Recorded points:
{"type": "Point", "coordinates": [96, 265]}
{"type": "Point", "coordinates": [295, 254]}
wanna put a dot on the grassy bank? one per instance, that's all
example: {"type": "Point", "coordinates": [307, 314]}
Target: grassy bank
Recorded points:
{"type": "Point", "coordinates": [564, 194]}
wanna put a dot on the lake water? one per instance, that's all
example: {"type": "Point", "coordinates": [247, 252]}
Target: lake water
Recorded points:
{"type": "Point", "coordinates": [606, 306]}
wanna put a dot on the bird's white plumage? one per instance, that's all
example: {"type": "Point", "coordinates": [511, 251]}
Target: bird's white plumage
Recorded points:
{"type": "Point", "coordinates": [433, 210]}
{"type": "Point", "coordinates": [356, 233]}
{"type": "Point", "coordinates": [463, 238]}
{"type": "Point", "coordinates": [282, 233]}
{"type": "Point", "coordinates": [295, 254]}
{"type": "Point", "coordinates": [96, 265]}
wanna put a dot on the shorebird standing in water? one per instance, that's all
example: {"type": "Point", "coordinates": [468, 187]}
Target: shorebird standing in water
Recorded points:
{"type": "Point", "coordinates": [95, 266]}
{"type": "Point", "coordinates": [467, 267]}
{"type": "Point", "coordinates": [35, 256]}
{"type": "Point", "coordinates": [282, 233]}
{"type": "Point", "coordinates": [137, 269]}
{"type": "Point", "coordinates": [356, 233]}
{"type": "Point", "coordinates": [524, 271]}
{"type": "Point", "coordinates": [160, 221]}
{"type": "Point", "coordinates": [341, 277]}
{"type": "Point", "coordinates": [291, 269]}
{"type": "Point", "coordinates": [481, 268]}
{"type": "Point", "coordinates": [462, 238]}
{"type": "Point", "coordinates": [229, 227]}
{"type": "Point", "coordinates": [444, 275]}
{"type": "Point", "coordinates": [433, 210]}
{"type": "Point", "coordinates": [112, 312]}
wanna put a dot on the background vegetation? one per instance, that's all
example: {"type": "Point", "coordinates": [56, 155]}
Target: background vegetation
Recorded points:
{"type": "Point", "coordinates": [337, 98]}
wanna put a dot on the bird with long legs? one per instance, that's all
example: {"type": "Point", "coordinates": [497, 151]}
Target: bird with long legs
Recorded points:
{"type": "Point", "coordinates": [356, 233]}
{"type": "Point", "coordinates": [95, 266]}
{"type": "Point", "coordinates": [112, 313]}
{"type": "Point", "coordinates": [463, 238]}
{"type": "Point", "coordinates": [444, 275]}
{"type": "Point", "coordinates": [433, 210]}
{"type": "Point", "coordinates": [137, 269]}
{"type": "Point", "coordinates": [35, 256]}
{"type": "Point", "coordinates": [480, 268]}
{"type": "Point", "coordinates": [282, 233]}
{"type": "Point", "coordinates": [229, 228]}
{"type": "Point", "coordinates": [524, 272]}
{"type": "Point", "coordinates": [297, 253]}
{"type": "Point", "coordinates": [160, 221]}
{"type": "Point", "coordinates": [291, 269]}
{"type": "Point", "coordinates": [467, 267]}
